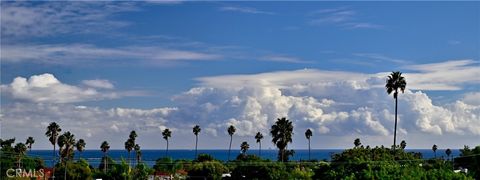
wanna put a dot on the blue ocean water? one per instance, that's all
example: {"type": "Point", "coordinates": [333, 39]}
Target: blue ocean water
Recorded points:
{"type": "Point", "coordinates": [149, 156]}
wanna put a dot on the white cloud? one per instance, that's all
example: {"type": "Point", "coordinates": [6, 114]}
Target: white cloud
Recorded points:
{"type": "Point", "coordinates": [76, 53]}
{"type": "Point", "coordinates": [46, 88]}
{"type": "Point", "coordinates": [247, 10]}
{"type": "Point", "coordinates": [448, 75]}
{"type": "Point", "coordinates": [98, 83]}
{"type": "Point", "coordinates": [283, 58]}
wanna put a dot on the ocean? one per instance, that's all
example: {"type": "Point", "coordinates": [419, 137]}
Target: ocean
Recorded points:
{"type": "Point", "coordinates": [149, 156]}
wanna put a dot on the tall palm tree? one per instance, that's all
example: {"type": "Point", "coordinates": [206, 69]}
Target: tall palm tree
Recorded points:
{"type": "Point", "coordinates": [282, 132]}
{"type": "Point", "coordinates": [259, 138]}
{"type": "Point", "coordinates": [80, 145]}
{"type": "Point", "coordinates": [308, 134]}
{"type": "Point", "coordinates": [231, 130]}
{"type": "Point", "coordinates": [196, 130]}
{"type": "Point", "coordinates": [434, 149]}
{"type": "Point", "coordinates": [105, 147]}
{"type": "Point", "coordinates": [29, 142]}
{"type": "Point", "coordinates": [244, 147]}
{"type": "Point", "coordinates": [21, 149]}
{"type": "Point", "coordinates": [395, 81]}
{"type": "Point", "coordinates": [166, 134]}
{"type": "Point", "coordinates": [53, 130]}
{"type": "Point", "coordinates": [137, 153]}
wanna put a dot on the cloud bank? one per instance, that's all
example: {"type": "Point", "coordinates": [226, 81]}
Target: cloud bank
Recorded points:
{"type": "Point", "coordinates": [332, 103]}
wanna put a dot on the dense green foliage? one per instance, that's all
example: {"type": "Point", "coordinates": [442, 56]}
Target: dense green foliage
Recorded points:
{"type": "Point", "coordinates": [470, 159]}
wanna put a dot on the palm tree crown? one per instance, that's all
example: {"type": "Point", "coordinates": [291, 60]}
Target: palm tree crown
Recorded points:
{"type": "Point", "coordinates": [29, 142]}
{"type": "Point", "coordinates": [308, 134]}
{"type": "Point", "coordinates": [105, 146]}
{"type": "Point", "coordinates": [52, 132]}
{"type": "Point", "coordinates": [395, 81]}
{"type": "Point", "coordinates": [244, 147]}
{"type": "Point", "coordinates": [196, 130]}
{"type": "Point", "coordinates": [80, 145]}
{"type": "Point", "coordinates": [68, 142]}
{"type": "Point", "coordinates": [282, 132]}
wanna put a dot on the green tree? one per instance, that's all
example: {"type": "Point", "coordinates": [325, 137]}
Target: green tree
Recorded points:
{"type": "Point", "coordinates": [29, 142]}
{"type": "Point", "coordinates": [166, 135]}
{"type": "Point", "coordinates": [282, 132]}
{"type": "Point", "coordinates": [259, 137]}
{"type": "Point", "coordinates": [105, 147]}
{"type": "Point", "coordinates": [395, 82]}
{"type": "Point", "coordinates": [80, 145]}
{"type": "Point", "coordinates": [20, 149]}
{"type": "Point", "coordinates": [434, 149]}
{"type": "Point", "coordinates": [308, 135]}
{"type": "Point", "coordinates": [53, 130]}
{"type": "Point", "coordinates": [231, 130]}
{"type": "Point", "coordinates": [196, 130]}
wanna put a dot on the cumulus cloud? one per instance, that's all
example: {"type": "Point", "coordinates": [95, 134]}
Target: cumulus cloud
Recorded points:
{"type": "Point", "coordinates": [46, 88]}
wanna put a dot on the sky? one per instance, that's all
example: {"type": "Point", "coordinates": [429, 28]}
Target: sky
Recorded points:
{"type": "Point", "coordinates": [102, 69]}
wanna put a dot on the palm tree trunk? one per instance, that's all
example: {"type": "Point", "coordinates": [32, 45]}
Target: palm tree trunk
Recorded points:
{"type": "Point", "coordinates": [230, 148]}
{"type": "Point", "coordinates": [53, 162]}
{"type": "Point", "coordinates": [260, 149]}
{"type": "Point", "coordinates": [166, 152]}
{"type": "Point", "coordinates": [129, 159]}
{"type": "Point", "coordinates": [196, 144]}
{"type": "Point", "coordinates": [104, 163]}
{"type": "Point", "coordinates": [395, 130]}
{"type": "Point", "coordinates": [309, 150]}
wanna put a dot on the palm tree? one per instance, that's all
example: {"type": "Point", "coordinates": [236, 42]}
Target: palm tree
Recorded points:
{"type": "Point", "coordinates": [66, 143]}
{"type": "Point", "coordinates": [403, 144]}
{"type": "Point", "coordinates": [259, 138]}
{"type": "Point", "coordinates": [357, 143]}
{"type": "Point", "coordinates": [231, 131]}
{"type": "Point", "coordinates": [166, 134]}
{"type": "Point", "coordinates": [196, 130]}
{"type": "Point", "coordinates": [395, 81]}
{"type": "Point", "coordinates": [21, 149]}
{"type": "Point", "coordinates": [434, 149]}
{"type": "Point", "coordinates": [137, 153]}
{"type": "Point", "coordinates": [105, 147]}
{"type": "Point", "coordinates": [308, 134]}
{"type": "Point", "coordinates": [282, 132]}
{"type": "Point", "coordinates": [244, 147]}
{"type": "Point", "coordinates": [448, 152]}
{"type": "Point", "coordinates": [53, 130]}
{"type": "Point", "coordinates": [29, 142]}
{"type": "Point", "coordinates": [129, 144]}
{"type": "Point", "coordinates": [80, 146]}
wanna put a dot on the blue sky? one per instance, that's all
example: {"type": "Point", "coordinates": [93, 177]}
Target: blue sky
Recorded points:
{"type": "Point", "coordinates": [144, 56]}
